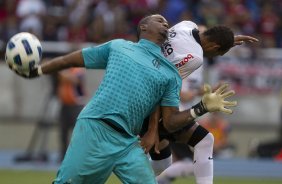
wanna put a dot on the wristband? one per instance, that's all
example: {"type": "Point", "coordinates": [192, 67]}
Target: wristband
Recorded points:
{"type": "Point", "coordinates": [198, 109]}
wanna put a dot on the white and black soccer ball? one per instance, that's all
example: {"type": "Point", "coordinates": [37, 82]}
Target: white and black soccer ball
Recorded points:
{"type": "Point", "coordinates": [23, 52]}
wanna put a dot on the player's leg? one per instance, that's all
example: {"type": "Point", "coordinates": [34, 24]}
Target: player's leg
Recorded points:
{"type": "Point", "coordinates": [90, 157]}
{"type": "Point", "coordinates": [197, 137]}
{"type": "Point", "coordinates": [202, 141]}
{"type": "Point", "coordinates": [162, 160]}
{"type": "Point", "coordinates": [133, 166]}
{"type": "Point", "coordinates": [182, 164]}
{"type": "Point", "coordinates": [203, 160]}
{"type": "Point", "coordinates": [177, 169]}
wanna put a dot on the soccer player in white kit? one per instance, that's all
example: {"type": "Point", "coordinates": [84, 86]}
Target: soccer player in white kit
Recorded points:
{"type": "Point", "coordinates": [191, 88]}
{"type": "Point", "coordinates": [186, 48]}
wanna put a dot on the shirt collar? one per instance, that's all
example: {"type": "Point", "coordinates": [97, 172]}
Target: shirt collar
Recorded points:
{"type": "Point", "coordinates": [151, 46]}
{"type": "Point", "coordinates": [195, 33]}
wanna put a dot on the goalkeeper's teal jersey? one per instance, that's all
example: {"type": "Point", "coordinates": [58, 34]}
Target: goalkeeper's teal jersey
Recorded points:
{"type": "Point", "coordinates": [137, 78]}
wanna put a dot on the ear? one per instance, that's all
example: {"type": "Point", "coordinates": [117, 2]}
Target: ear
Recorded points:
{"type": "Point", "coordinates": [216, 47]}
{"type": "Point", "coordinates": [143, 27]}
{"type": "Point", "coordinates": [212, 47]}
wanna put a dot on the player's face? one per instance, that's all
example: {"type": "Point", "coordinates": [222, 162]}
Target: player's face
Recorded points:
{"type": "Point", "coordinates": [158, 26]}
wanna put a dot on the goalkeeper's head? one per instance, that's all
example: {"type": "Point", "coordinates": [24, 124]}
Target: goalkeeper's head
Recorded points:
{"type": "Point", "coordinates": [216, 41]}
{"type": "Point", "coordinates": [153, 28]}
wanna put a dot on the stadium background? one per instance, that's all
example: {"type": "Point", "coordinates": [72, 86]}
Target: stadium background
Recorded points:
{"type": "Point", "coordinates": [254, 70]}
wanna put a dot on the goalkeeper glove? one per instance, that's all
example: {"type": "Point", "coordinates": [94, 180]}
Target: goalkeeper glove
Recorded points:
{"type": "Point", "coordinates": [214, 101]}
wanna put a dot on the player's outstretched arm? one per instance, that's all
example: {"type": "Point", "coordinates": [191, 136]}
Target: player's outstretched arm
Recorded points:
{"type": "Point", "coordinates": [240, 39]}
{"type": "Point", "coordinates": [73, 59]}
{"type": "Point", "coordinates": [174, 120]}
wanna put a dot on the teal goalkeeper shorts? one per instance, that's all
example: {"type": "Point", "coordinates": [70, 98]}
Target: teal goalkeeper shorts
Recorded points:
{"type": "Point", "coordinates": [96, 150]}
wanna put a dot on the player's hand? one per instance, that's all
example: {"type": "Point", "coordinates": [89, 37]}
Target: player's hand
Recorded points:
{"type": "Point", "coordinates": [34, 72]}
{"type": "Point", "coordinates": [149, 140]}
{"type": "Point", "coordinates": [216, 101]}
{"type": "Point", "coordinates": [240, 39]}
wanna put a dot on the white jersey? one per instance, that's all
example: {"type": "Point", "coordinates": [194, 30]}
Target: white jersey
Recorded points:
{"type": "Point", "coordinates": [182, 48]}
{"type": "Point", "coordinates": [193, 83]}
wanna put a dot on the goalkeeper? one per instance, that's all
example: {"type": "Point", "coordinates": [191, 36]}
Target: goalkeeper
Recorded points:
{"type": "Point", "coordinates": [105, 135]}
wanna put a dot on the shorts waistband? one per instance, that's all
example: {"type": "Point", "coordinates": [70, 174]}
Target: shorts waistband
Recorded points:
{"type": "Point", "coordinates": [113, 126]}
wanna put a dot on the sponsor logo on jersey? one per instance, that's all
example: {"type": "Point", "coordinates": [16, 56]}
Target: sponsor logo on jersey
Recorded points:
{"type": "Point", "coordinates": [167, 48]}
{"type": "Point", "coordinates": [171, 33]}
{"type": "Point", "coordinates": [184, 60]}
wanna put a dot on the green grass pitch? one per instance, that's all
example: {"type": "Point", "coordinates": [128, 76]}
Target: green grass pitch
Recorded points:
{"type": "Point", "coordinates": [45, 177]}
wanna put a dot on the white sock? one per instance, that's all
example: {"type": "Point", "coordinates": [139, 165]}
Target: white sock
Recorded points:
{"type": "Point", "coordinates": [203, 160]}
{"type": "Point", "coordinates": [179, 168]}
{"type": "Point", "coordinates": [160, 165]}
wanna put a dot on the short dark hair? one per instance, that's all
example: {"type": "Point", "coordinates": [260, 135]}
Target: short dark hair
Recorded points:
{"type": "Point", "coordinates": [144, 20]}
{"type": "Point", "coordinates": [221, 35]}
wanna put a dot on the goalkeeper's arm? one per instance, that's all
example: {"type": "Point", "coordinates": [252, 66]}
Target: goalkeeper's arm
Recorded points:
{"type": "Point", "coordinates": [73, 59]}
{"type": "Point", "coordinates": [174, 120]}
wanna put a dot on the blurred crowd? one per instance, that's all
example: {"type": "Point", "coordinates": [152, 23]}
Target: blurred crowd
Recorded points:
{"type": "Point", "coordinates": [101, 20]}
